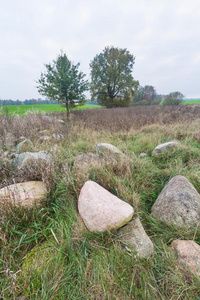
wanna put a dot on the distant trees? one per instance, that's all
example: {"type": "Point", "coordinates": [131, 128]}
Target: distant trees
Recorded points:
{"type": "Point", "coordinates": [63, 82]}
{"type": "Point", "coordinates": [112, 83]}
{"type": "Point", "coordinates": [174, 98]}
{"type": "Point", "coordinates": [146, 96]}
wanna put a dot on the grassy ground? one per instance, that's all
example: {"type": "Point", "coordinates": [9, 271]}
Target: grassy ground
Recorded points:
{"type": "Point", "coordinates": [191, 102]}
{"type": "Point", "coordinates": [40, 108]}
{"type": "Point", "coordinates": [46, 253]}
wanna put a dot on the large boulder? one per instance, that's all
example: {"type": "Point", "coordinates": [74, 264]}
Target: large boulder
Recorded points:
{"type": "Point", "coordinates": [101, 210]}
{"type": "Point", "coordinates": [162, 148]}
{"type": "Point", "coordinates": [178, 203]}
{"type": "Point", "coordinates": [30, 158]}
{"type": "Point", "coordinates": [84, 162]}
{"type": "Point", "coordinates": [135, 238]}
{"type": "Point", "coordinates": [23, 194]}
{"type": "Point", "coordinates": [188, 254]}
{"type": "Point", "coordinates": [24, 146]}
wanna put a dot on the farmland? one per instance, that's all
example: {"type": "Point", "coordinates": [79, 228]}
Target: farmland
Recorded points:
{"type": "Point", "coordinates": [40, 108]}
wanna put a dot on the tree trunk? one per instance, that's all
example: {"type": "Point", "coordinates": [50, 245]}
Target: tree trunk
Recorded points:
{"type": "Point", "coordinates": [67, 107]}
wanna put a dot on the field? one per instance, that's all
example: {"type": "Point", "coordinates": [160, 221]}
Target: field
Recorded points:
{"type": "Point", "coordinates": [47, 252]}
{"type": "Point", "coordinates": [191, 102]}
{"type": "Point", "coordinates": [40, 108]}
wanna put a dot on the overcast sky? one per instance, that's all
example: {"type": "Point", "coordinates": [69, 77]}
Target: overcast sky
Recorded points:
{"type": "Point", "coordinates": [163, 35]}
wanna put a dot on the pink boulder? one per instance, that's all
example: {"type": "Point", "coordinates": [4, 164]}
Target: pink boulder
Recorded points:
{"type": "Point", "coordinates": [101, 210]}
{"type": "Point", "coordinates": [188, 253]}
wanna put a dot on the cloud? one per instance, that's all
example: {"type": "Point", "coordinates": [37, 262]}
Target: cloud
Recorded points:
{"type": "Point", "coordinates": [163, 35]}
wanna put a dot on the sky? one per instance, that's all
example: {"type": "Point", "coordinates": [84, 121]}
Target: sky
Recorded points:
{"type": "Point", "coordinates": [163, 35]}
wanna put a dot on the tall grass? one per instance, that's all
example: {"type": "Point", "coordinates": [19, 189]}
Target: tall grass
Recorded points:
{"type": "Point", "coordinates": [48, 253]}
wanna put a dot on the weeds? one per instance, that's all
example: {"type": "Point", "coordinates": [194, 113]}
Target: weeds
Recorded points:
{"type": "Point", "coordinates": [47, 253]}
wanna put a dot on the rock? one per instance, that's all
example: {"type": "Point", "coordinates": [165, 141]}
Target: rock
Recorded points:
{"type": "Point", "coordinates": [188, 254]}
{"type": "Point", "coordinates": [23, 194]}
{"type": "Point", "coordinates": [28, 158]}
{"type": "Point", "coordinates": [134, 236]}
{"type": "Point", "coordinates": [60, 121]}
{"type": "Point", "coordinates": [84, 162]}
{"type": "Point", "coordinates": [47, 118]}
{"type": "Point", "coordinates": [162, 148]}
{"type": "Point", "coordinates": [100, 210]}
{"type": "Point", "coordinates": [142, 155]}
{"type": "Point", "coordinates": [24, 146]}
{"type": "Point", "coordinates": [105, 149]}
{"type": "Point", "coordinates": [178, 203]}
{"type": "Point", "coordinates": [57, 136]}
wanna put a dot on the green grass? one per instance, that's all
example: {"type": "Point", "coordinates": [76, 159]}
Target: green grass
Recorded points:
{"type": "Point", "coordinates": [40, 108]}
{"type": "Point", "coordinates": [191, 102]}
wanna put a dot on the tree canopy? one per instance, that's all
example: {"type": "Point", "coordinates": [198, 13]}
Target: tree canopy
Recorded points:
{"type": "Point", "coordinates": [173, 98]}
{"type": "Point", "coordinates": [146, 96]}
{"type": "Point", "coordinates": [63, 82]}
{"type": "Point", "coordinates": [112, 83]}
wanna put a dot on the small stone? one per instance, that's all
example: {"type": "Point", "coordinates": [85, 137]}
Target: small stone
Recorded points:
{"type": "Point", "coordinates": [107, 149]}
{"type": "Point", "coordinates": [162, 148]}
{"type": "Point", "coordinates": [188, 254]}
{"type": "Point", "coordinates": [23, 194]}
{"type": "Point", "coordinates": [142, 155]}
{"type": "Point", "coordinates": [47, 118]}
{"type": "Point", "coordinates": [178, 203]}
{"type": "Point", "coordinates": [101, 210]}
{"type": "Point", "coordinates": [57, 136]}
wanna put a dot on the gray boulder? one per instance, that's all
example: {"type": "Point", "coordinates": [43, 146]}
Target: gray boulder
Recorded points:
{"type": "Point", "coordinates": [178, 203]}
{"type": "Point", "coordinates": [29, 158]}
{"type": "Point", "coordinates": [162, 148]}
{"type": "Point", "coordinates": [135, 238]}
{"type": "Point", "coordinates": [24, 146]}
{"type": "Point", "coordinates": [84, 162]}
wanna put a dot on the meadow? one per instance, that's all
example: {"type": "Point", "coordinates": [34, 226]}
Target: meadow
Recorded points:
{"type": "Point", "coordinates": [47, 253]}
{"type": "Point", "coordinates": [40, 108]}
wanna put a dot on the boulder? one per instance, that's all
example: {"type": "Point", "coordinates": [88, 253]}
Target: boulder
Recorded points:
{"type": "Point", "coordinates": [29, 158]}
{"type": "Point", "coordinates": [47, 118]}
{"type": "Point", "coordinates": [162, 148]}
{"type": "Point", "coordinates": [135, 238]}
{"type": "Point", "coordinates": [105, 149]}
{"type": "Point", "coordinates": [84, 162]}
{"type": "Point", "coordinates": [188, 254]}
{"type": "Point", "coordinates": [57, 136]}
{"type": "Point", "coordinates": [178, 203]}
{"type": "Point", "coordinates": [101, 210]}
{"type": "Point", "coordinates": [24, 146]}
{"type": "Point", "coordinates": [60, 121]}
{"type": "Point", "coordinates": [23, 194]}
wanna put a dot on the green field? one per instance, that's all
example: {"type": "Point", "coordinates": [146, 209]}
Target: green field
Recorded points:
{"type": "Point", "coordinates": [40, 108]}
{"type": "Point", "coordinates": [191, 102]}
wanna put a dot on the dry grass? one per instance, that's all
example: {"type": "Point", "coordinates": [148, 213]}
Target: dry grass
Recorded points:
{"type": "Point", "coordinates": [83, 265]}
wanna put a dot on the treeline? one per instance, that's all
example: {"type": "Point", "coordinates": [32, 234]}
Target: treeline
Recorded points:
{"type": "Point", "coordinates": [26, 102]}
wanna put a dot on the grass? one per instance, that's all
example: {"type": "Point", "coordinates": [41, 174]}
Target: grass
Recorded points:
{"type": "Point", "coordinates": [191, 102]}
{"type": "Point", "coordinates": [41, 108]}
{"type": "Point", "coordinates": [46, 253]}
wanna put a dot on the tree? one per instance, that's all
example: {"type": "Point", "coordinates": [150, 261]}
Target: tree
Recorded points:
{"type": "Point", "coordinates": [112, 83]}
{"type": "Point", "coordinates": [174, 98]}
{"type": "Point", "coordinates": [63, 82]}
{"type": "Point", "coordinates": [145, 95]}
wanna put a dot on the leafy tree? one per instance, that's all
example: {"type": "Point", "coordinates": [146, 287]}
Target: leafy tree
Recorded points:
{"type": "Point", "coordinates": [145, 95]}
{"type": "Point", "coordinates": [174, 98]}
{"type": "Point", "coordinates": [63, 82]}
{"type": "Point", "coordinates": [112, 83]}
